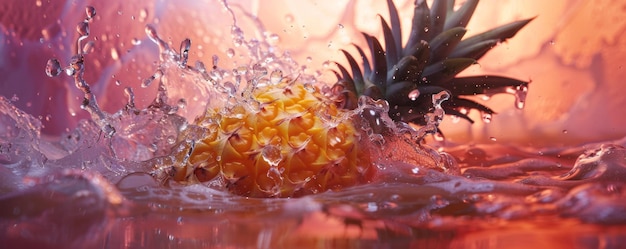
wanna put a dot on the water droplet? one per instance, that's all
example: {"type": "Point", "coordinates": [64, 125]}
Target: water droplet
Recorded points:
{"type": "Point", "coordinates": [272, 155]}
{"type": "Point", "coordinates": [53, 68]}
{"type": "Point", "coordinates": [108, 130]}
{"type": "Point", "coordinates": [414, 94]}
{"type": "Point", "coordinates": [493, 139]}
{"type": "Point", "coordinates": [309, 87]}
{"type": "Point", "coordinates": [439, 137]}
{"type": "Point", "coordinates": [289, 18]}
{"type": "Point", "coordinates": [230, 88]}
{"type": "Point", "coordinates": [415, 170]}
{"type": "Point", "coordinates": [237, 34]}
{"type": "Point", "coordinates": [185, 45]}
{"type": "Point", "coordinates": [565, 131]}
{"type": "Point", "coordinates": [340, 26]}
{"type": "Point", "coordinates": [520, 93]}
{"type": "Point", "coordinates": [152, 34]}
{"type": "Point", "coordinates": [89, 47]}
{"type": "Point", "coordinates": [171, 139]}
{"type": "Point", "coordinates": [147, 82]}
{"type": "Point", "coordinates": [114, 54]}
{"type": "Point", "coordinates": [487, 117]}
{"type": "Point", "coordinates": [143, 14]}
{"type": "Point", "coordinates": [276, 76]}
{"type": "Point", "coordinates": [135, 41]}
{"type": "Point", "coordinates": [259, 70]}
{"type": "Point", "coordinates": [371, 207]}
{"type": "Point", "coordinates": [215, 59]}
{"type": "Point", "coordinates": [182, 103]}
{"type": "Point", "coordinates": [83, 29]}
{"type": "Point", "coordinates": [425, 29]}
{"type": "Point", "coordinates": [273, 39]}
{"type": "Point", "coordinates": [90, 11]}
{"type": "Point", "coordinates": [463, 110]}
{"type": "Point", "coordinates": [230, 53]}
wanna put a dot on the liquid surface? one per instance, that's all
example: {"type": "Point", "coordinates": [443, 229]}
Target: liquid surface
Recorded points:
{"type": "Point", "coordinates": [93, 185]}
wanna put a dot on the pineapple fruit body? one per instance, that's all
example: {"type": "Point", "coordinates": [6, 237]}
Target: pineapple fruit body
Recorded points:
{"type": "Point", "coordinates": [285, 140]}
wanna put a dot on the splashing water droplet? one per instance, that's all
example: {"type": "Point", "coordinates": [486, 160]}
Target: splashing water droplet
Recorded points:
{"type": "Point", "coordinates": [520, 93]}
{"type": "Point", "coordinates": [215, 59]}
{"type": "Point", "coordinates": [289, 18]}
{"type": "Point", "coordinates": [130, 96]}
{"type": "Point", "coordinates": [440, 97]}
{"type": "Point", "coordinates": [230, 53]}
{"type": "Point", "coordinates": [90, 11]}
{"type": "Point", "coordinates": [151, 32]}
{"type": "Point", "coordinates": [147, 82]}
{"type": "Point", "coordinates": [115, 55]}
{"type": "Point", "coordinates": [425, 29]}
{"type": "Point", "coordinates": [182, 103]}
{"type": "Point", "coordinates": [230, 88]}
{"type": "Point", "coordinates": [185, 45]}
{"type": "Point", "coordinates": [258, 70]}
{"type": "Point", "coordinates": [414, 94]}
{"type": "Point", "coordinates": [309, 87]}
{"type": "Point", "coordinates": [273, 39]}
{"type": "Point", "coordinates": [135, 41]}
{"type": "Point", "coordinates": [487, 117]}
{"type": "Point", "coordinates": [83, 29]}
{"type": "Point", "coordinates": [276, 76]}
{"type": "Point", "coordinates": [89, 47]}
{"type": "Point", "coordinates": [53, 68]}
{"type": "Point", "coordinates": [272, 155]}
{"type": "Point", "coordinates": [237, 34]}
{"type": "Point", "coordinates": [143, 14]}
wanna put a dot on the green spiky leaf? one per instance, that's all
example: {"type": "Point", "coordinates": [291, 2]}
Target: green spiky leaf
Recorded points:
{"type": "Point", "coordinates": [480, 84]}
{"type": "Point", "coordinates": [395, 24]}
{"type": "Point", "coordinates": [445, 70]}
{"type": "Point", "coordinates": [461, 17]}
{"type": "Point", "coordinates": [443, 44]}
{"type": "Point", "coordinates": [420, 26]}
{"type": "Point", "coordinates": [390, 44]}
{"type": "Point", "coordinates": [500, 33]}
{"type": "Point", "coordinates": [408, 68]}
{"type": "Point", "coordinates": [474, 51]}
{"type": "Point", "coordinates": [438, 14]}
{"type": "Point", "coordinates": [378, 76]}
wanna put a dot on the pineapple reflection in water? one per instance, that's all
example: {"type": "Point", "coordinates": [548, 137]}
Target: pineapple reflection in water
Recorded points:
{"type": "Point", "coordinates": [285, 138]}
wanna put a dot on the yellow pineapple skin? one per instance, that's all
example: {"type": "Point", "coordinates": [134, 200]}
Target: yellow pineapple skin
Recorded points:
{"type": "Point", "coordinates": [295, 142]}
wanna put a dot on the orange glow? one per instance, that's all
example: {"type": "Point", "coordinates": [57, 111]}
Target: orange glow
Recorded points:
{"type": "Point", "coordinates": [573, 52]}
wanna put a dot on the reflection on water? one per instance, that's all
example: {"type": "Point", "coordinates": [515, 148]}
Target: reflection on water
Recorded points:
{"type": "Point", "coordinates": [90, 187]}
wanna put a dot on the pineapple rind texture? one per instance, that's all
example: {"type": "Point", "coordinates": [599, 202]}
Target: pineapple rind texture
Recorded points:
{"type": "Point", "coordinates": [295, 143]}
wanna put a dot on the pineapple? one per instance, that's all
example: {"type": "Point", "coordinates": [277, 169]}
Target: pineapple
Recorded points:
{"type": "Point", "coordinates": [407, 77]}
{"type": "Point", "coordinates": [287, 139]}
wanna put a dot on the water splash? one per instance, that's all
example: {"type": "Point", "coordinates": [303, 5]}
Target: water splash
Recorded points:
{"type": "Point", "coordinates": [418, 189]}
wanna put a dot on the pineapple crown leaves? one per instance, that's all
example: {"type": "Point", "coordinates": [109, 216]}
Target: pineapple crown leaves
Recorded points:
{"type": "Point", "coordinates": [435, 52]}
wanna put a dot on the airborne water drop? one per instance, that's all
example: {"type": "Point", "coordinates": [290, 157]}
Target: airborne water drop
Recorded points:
{"type": "Point", "coordinates": [53, 68]}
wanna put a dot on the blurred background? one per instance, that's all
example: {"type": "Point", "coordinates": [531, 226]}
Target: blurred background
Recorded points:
{"type": "Point", "coordinates": [573, 52]}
